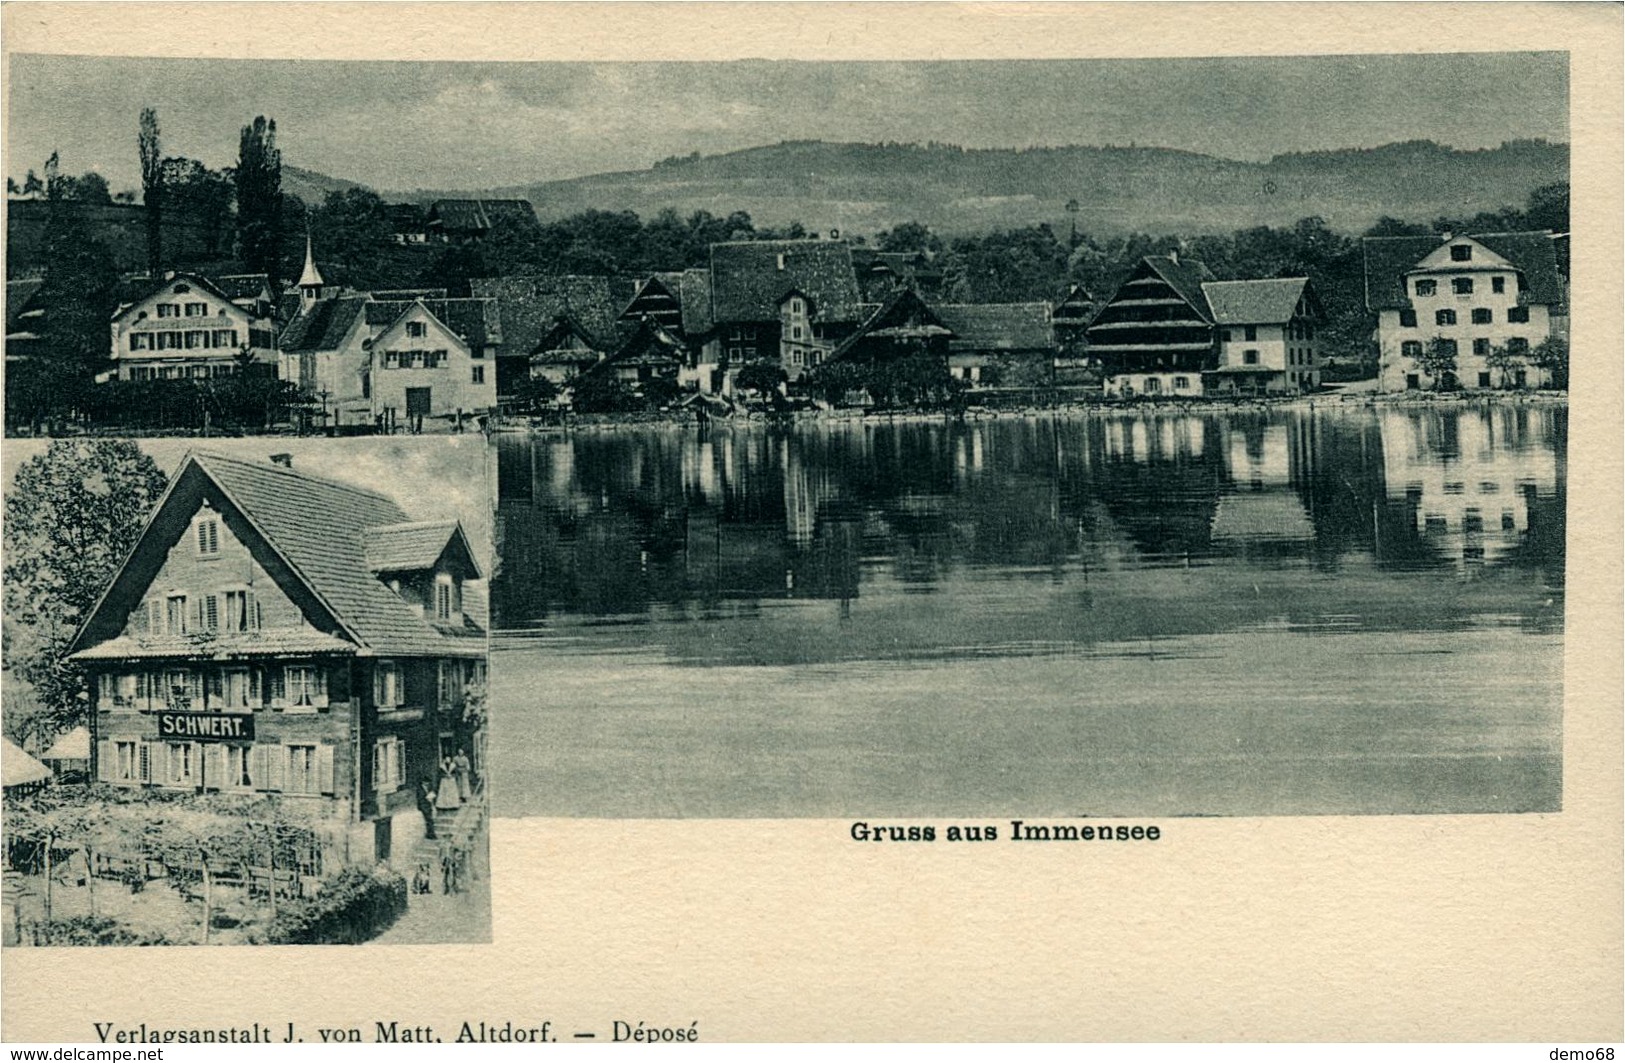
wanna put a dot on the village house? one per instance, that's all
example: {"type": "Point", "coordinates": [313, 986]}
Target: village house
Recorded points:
{"type": "Point", "coordinates": [1266, 336]}
{"type": "Point", "coordinates": [554, 325]}
{"type": "Point", "coordinates": [416, 356]}
{"type": "Point", "coordinates": [277, 633]}
{"type": "Point", "coordinates": [185, 325]}
{"type": "Point", "coordinates": [1155, 335]}
{"type": "Point", "coordinates": [1473, 294]}
{"type": "Point", "coordinates": [1001, 344]}
{"type": "Point", "coordinates": [904, 325]}
{"type": "Point", "coordinates": [463, 221]}
{"type": "Point", "coordinates": [680, 303]}
{"type": "Point", "coordinates": [784, 301]}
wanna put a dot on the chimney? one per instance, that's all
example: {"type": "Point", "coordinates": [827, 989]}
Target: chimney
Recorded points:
{"type": "Point", "coordinates": [1173, 256]}
{"type": "Point", "coordinates": [284, 459]}
{"type": "Point", "coordinates": [781, 261]}
{"type": "Point", "coordinates": [1446, 236]}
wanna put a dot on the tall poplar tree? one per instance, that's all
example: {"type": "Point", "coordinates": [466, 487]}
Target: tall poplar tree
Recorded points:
{"type": "Point", "coordinates": [152, 188]}
{"type": "Point", "coordinates": [259, 200]}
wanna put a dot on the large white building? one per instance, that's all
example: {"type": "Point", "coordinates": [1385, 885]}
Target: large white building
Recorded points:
{"type": "Point", "coordinates": [184, 325]}
{"type": "Point", "coordinates": [1474, 293]}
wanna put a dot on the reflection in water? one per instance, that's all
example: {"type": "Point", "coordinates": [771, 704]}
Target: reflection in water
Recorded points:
{"type": "Point", "coordinates": [1245, 556]}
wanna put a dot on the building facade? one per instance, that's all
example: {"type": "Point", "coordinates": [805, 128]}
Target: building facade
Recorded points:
{"type": "Point", "coordinates": [275, 633]}
{"type": "Point", "coordinates": [1266, 332]}
{"type": "Point", "coordinates": [185, 326]}
{"type": "Point", "coordinates": [1154, 336]}
{"type": "Point", "coordinates": [1465, 297]}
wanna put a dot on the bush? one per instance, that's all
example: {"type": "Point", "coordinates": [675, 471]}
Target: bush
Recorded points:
{"type": "Point", "coordinates": [91, 930]}
{"type": "Point", "coordinates": [353, 906]}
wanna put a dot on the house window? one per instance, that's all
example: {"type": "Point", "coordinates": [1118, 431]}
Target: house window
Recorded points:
{"type": "Point", "coordinates": [225, 337]}
{"type": "Point", "coordinates": [126, 765]}
{"type": "Point", "coordinates": [302, 770]}
{"type": "Point", "coordinates": [388, 764]}
{"type": "Point", "coordinates": [479, 374]}
{"type": "Point", "coordinates": [1444, 317]}
{"type": "Point", "coordinates": [140, 341]}
{"type": "Point", "coordinates": [1462, 285]}
{"type": "Point", "coordinates": [392, 360]}
{"type": "Point", "coordinates": [1483, 380]}
{"type": "Point", "coordinates": [1411, 348]}
{"type": "Point", "coordinates": [1427, 287]}
{"type": "Point", "coordinates": [1224, 335]}
{"type": "Point", "coordinates": [443, 593]}
{"type": "Point", "coordinates": [1498, 285]}
{"type": "Point", "coordinates": [240, 688]}
{"type": "Point", "coordinates": [1447, 347]}
{"type": "Point", "coordinates": [239, 769]}
{"type": "Point", "coordinates": [1181, 383]}
{"type": "Point", "coordinates": [208, 537]}
{"type": "Point", "coordinates": [795, 332]}
{"type": "Point", "coordinates": [1483, 316]}
{"type": "Point", "coordinates": [1407, 319]}
{"type": "Point", "coordinates": [169, 310]}
{"type": "Point", "coordinates": [1481, 347]}
{"type": "Point", "coordinates": [795, 306]}
{"type": "Point", "coordinates": [305, 687]}
{"type": "Point", "coordinates": [1461, 252]}
{"type": "Point", "coordinates": [1517, 345]}
{"type": "Point", "coordinates": [388, 690]}
{"type": "Point", "coordinates": [1249, 357]}
{"type": "Point", "coordinates": [197, 309]}
{"type": "Point", "coordinates": [175, 614]}
{"type": "Point", "coordinates": [1518, 315]}
{"type": "Point", "coordinates": [182, 763]}
{"type": "Point", "coordinates": [416, 329]}
{"type": "Point", "coordinates": [1250, 333]}
{"type": "Point", "coordinates": [242, 611]}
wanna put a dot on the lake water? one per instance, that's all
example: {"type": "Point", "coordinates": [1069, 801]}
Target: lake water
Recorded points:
{"type": "Point", "coordinates": [1347, 609]}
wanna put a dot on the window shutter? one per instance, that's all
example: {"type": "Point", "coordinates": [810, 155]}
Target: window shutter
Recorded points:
{"type": "Point", "coordinates": [105, 764]}
{"type": "Point", "coordinates": [145, 772]}
{"type": "Point", "coordinates": [276, 680]}
{"type": "Point", "coordinates": [254, 687]}
{"type": "Point", "coordinates": [211, 612]}
{"type": "Point", "coordinates": [276, 766]}
{"type": "Point", "coordinates": [256, 765]}
{"type": "Point", "coordinates": [324, 769]}
{"type": "Point", "coordinates": [155, 617]}
{"type": "Point", "coordinates": [320, 697]}
{"type": "Point", "coordinates": [251, 612]}
{"type": "Point", "coordinates": [377, 685]}
{"type": "Point", "coordinates": [399, 763]}
{"type": "Point", "coordinates": [217, 687]}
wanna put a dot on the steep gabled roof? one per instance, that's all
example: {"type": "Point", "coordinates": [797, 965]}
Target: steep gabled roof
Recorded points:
{"type": "Point", "coordinates": [696, 300]}
{"type": "Point", "coordinates": [134, 290]}
{"type": "Point", "coordinates": [748, 283]}
{"type": "Point", "coordinates": [1185, 276]}
{"type": "Point", "coordinates": [244, 285]}
{"type": "Point", "coordinates": [19, 296]}
{"type": "Point", "coordinates": [320, 530]}
{"type": "Point", "coordinates": [478, 215]}
{"type": "Point", "coordinates": [1254, 302]}
{"type": "Point", "coordinates": [417, 546]}
{"type": "Point", "coordinates": [323, 325]}
{"type": "Point", "coordinates": [999, 326]}
{"type": "Point", "coordinates": [554, 349]}
{"type": "Point", "coordinates": [1388, 258]}
{"type": "Point", "coordinates": [904, 314]}
{"type": "Point", "coordinates": [476, 321]}
{"type": "Point", "coordinates": [529, 306]}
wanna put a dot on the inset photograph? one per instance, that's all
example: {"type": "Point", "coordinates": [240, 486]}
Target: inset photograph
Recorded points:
{"type": "Point", "coordinates": [245, 692]}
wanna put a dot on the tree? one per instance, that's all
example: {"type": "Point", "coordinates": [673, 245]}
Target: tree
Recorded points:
{"type": "Point", "coordinates": [11, 187]}
{"type": "Point", "coordinates": [201, 196]}
{"type": "Point", "coordinates": [602, 392]}
{"type": "Point", "coordinates": [1438, 361]}
{"type": "Point", "coordinates": [1504, 360]}
{"type": "Point", "coordinates": [259, 200]}
{"type": "Point", "coordinates": [72, 515]}
{"type": "Point", "coordinates": [908, 236]}
{"type": "Point", "coordinates": [32, 185]}
{"type": "Point", "coordinates": [531, 393]}
{"type": "Point", "coordinates": [764, 378]}
{"type": "Point", "coordinates": [1552, 355]}
{"type": "Point", "coordinates": [152, 187]}
{"type": "Point", "coordinates": [352, 227]}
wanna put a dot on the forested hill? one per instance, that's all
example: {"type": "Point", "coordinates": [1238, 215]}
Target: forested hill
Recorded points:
{"type": "Point", "coordinates": [868, 187]}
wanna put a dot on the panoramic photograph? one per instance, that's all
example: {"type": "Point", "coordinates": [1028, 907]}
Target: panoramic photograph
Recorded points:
{"type": "Point", "coordinates": [1071, 438]}
{"type": "Point", "coordinates": [245, 692]}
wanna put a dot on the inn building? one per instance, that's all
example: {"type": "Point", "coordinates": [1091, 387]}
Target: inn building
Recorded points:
{"type": "Point", "coordinates": [278, 633]}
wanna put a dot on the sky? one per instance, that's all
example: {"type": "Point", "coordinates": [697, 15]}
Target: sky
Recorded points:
{"type": "Point", "coordinates": [399, 126]}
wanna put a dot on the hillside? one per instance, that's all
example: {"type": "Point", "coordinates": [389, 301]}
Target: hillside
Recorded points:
{"type": "Point", "coordinates": [867, 187]}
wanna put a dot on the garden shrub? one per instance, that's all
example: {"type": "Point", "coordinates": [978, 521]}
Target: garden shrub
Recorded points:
{"type": "Point", "coordinates": [92, 930]}
{"type": "Point", "coordinates": [354, 906]}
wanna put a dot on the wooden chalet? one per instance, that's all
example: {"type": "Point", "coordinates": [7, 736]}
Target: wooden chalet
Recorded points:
{"type": "Point", "coordinates": [1155, 335]}
{"type": "Point", "coordinates": [531, 308]}
{"type": "Point", "coordinates": [1009, 344]}
{"type": "Point", "coordinates": [276, 633]}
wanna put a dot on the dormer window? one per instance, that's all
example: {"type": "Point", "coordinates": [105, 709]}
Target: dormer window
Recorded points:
{"type": "Point", "coordinates": [444, 597]}
{"type": "Point", "coordinates": [1461, 252]}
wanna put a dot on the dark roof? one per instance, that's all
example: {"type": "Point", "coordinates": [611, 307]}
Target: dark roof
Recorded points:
{"type": "Point", "coordinates": [476, 321]}
{"type": "Point", "coordinates": [748, 285]}
{"type": "Point", "coordinates": [411, 547]}
{"type": "Point", "coordinates": [1185, 276]}
{"type": "Point", "coordinates": [998, 326]}
{"type": "Point", "coordinates": [904, 313]}
{"type": "Point", "coordinates": [529, 307]}
{"type": "Point", "coordinates": [649, 345]}
{"type": "Point", "coordinates": [1389, 258]}
{"type": "Point", "coordinates": [323, 325]}
{"type": "Point", "coordinates": [408, 294]}
{"type": "Point", "coordinates": [696, 299]}
{"type": "Point", "coordinates": [478, 215]}
{"type": "Point", "coordinates": [554, 347]}
{"type": "Point", "coordinates": [243, 285]}
{"type": "Point", "coordinates": [18, 296]}
{"type": "Point", "coordinates": [1254, 302]}
{"type": "Point", "coordinates": [132, 290]}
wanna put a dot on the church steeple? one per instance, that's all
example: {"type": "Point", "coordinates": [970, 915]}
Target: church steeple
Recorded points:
{"type": "Point", "coordinates": [310, 281]}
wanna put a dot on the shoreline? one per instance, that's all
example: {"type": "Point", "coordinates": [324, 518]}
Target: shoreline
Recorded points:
{"type": "Point", "coordinates": [1146, 409]}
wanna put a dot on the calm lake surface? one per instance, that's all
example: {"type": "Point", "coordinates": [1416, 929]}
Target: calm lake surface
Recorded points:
{"type": "Point", "coordinates": [1335, 610]}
